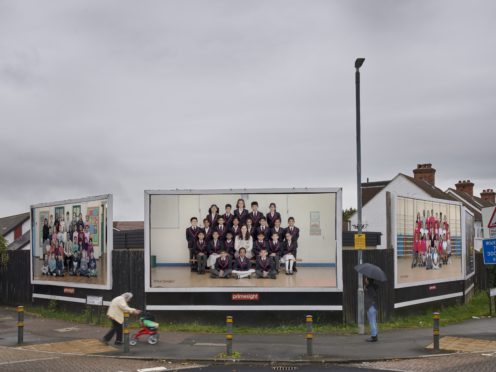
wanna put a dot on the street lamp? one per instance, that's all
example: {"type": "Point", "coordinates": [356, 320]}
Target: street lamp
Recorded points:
{"type": "Point", "coordinates": [360, 299]}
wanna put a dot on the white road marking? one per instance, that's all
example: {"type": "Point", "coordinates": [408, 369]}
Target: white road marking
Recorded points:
{"type": "Point", "coordinates": [27, 361]}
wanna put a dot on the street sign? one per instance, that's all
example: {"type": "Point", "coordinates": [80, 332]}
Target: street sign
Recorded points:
{"type": "Point", "coordinates": [94, 300]}
{"type": "Point", "coordinates": [492, 220]}
{"type": "Point", "coordinates": [489, 250]}
{"type": "Point", "coordinates": [360, 241]}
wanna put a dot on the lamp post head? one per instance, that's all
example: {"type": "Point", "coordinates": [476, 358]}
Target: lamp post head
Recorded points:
{"type": "Point", "coordinates": [359, 62]}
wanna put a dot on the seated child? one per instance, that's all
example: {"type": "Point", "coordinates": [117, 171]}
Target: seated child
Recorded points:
{"type": "Point", "coordinates": [83, 264]}
{"type": "Point", "coordinates": [274, 251]}
{"type": "Point", "coordinates": [201, 252]}
{"type": "Point", "coordinates": [44, 269]}
{"type": "Point", "coordinates": [222, 267]}
{"type": "Point", "coordinates": [258, 245]}
{"type": "Point", "coordinates": [221, 228]}
{"type": "Point", "coordinates": [52, 265]}
{"type": "Point", "coordinates": [242, 265]}
{"type": "Point", "coordinates": [214, 249]}
{"type": "Point", "coordinates": [264, 228]}
{"type": "Point", "coordinates": [288, 253]}
{"type": "Point", "coordinates": [74, 270]}
{"type": "Point", "coordinates": [229, 245]}
{"type": "Point", "coordinates": [59, 266]}
{"type": "Point", "coordinates": [92, 265]}
{"type": "Point", "coordinates": [277, 229]}
{"type": "Point", "coordinates": [265, 266]}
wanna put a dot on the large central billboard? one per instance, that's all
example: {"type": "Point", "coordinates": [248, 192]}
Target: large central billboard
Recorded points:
{"type": "Point", "coordinates": [243, 240]}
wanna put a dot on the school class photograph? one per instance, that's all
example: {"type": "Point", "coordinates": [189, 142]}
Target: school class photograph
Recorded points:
{"type": "Point", "coordinates": [242, 239]}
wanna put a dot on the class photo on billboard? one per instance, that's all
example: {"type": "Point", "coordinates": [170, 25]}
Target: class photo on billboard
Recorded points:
{"type": "Point", "coordinates": [429, 241]}
{"type": "Point", "coordinates": [71, 242]}
{"type": "Point", "coordinates": [242, 239]}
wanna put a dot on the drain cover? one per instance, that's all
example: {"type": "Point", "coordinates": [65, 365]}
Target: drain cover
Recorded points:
{"type": "Point", "coordinates": [285, 368]}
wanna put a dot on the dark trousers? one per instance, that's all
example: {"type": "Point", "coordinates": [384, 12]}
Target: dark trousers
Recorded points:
{"type": "Point", "coordinates": [116, 329]}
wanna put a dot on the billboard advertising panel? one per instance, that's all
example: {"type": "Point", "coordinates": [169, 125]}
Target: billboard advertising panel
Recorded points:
{"type": "Point", "coordinates": [429, 246]}
{"type": "Point", "coordinates": [194, 240]}
{"type": "Point", "coordinates": [71, 242]}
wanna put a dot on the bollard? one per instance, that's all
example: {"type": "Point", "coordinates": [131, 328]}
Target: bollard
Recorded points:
{"type": "Point", "coordinates": [20, 325]}
{"type": "Point", "coordinates": [435, 330]}
{"type": "Point", "coordinates": [309, 336]}
{"type": "Point", "coordinates": [125, 331]}
{"type": "Point", "coordinates": [229, 335]}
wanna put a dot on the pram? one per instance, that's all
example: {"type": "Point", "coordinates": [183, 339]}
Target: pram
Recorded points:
{"type": "Point", "coordinates": [149, 327]}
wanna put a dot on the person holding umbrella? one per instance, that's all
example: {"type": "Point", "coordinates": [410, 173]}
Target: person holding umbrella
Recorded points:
{"type": "Point", "coordinates": [371, 273]}
{"type": "Point", "coordinates": [371, 306]}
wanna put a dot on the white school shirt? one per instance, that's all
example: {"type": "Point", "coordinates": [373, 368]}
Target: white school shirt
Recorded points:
{"type": "Point", "coordinates": [243, 243]}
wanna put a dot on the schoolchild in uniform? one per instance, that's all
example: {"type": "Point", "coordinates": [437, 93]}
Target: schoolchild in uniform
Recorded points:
{"type": "Point", "coordinates": [221, 228]}
{"type": "Point", "coordinates": [228, 216]}
{"type": "Point", "coordinates": [242, 265]}
{"type": "Point", "coordinates": [222, 267]}
{"type": "Point", "coordinates": [214, 248]}
{"type": "Point", "coordinates": [277, 229]}
{"type": "Point", "coordinates": [258, 245]}
{"type": "Point", "coordinates": [229, 244]}
{"type": "Point", "coordinates": [289, 248]}
{"type": "Point", "coordinates": [274, 250]}
{"type": "Point", "coordinates": [251, 229]}
{"type": "Point", "coordinates": [292, 229]}
{"type": "Point", "coordinates": [273, 215]}
{"type": "Point", "coordinates": [191, 236]}
{"type": "Point", "coordinates": [235, 227]}
{"type": "Point", "coordinates": [59, 266]}
{"type": "Point", "coordinates": [213, 215]}
{"type": "Point", "coordinates": [52, 265]}
{"type": "Point", "coordinates": [44, 269]}
{"type": "Point", "coordinates": [265, 266]}
{"type": "Point", "coordinates": [240, 212]}
{"type": "Point", "coordinates": [255, 215]}
{"type": "Point", "coordinates": [201, 252]}
{"type": "Point", "coordinates": [207, 229]}
{"type": "Point", "coordinates": [264, 228]}
{"type": "Point", "coordinates": [92, 266]}
{"type": "Point", "coordinates": [83, 264]}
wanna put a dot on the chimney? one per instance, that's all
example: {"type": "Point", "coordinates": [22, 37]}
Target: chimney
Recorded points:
{"type": "Point", "coordinates": [425, 172]}
{"type": "Point", "coordinates": [488, 195]}
{"type": "Point", "coordinates": [465, 186]}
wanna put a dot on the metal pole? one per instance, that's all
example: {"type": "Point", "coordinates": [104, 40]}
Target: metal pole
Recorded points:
{"type": "Point", "coordinates": [435, 330]}
{"type": "Point", "coordinates": [229, 336]}
{"type": "Point", "coordinates": [20, 325]}
{"type": "Point", "coordinates": [125, 331]}
{"type": "Point", "coordinates": [309, 336]}
{"type": "Point", "coordinates": [360, 299]}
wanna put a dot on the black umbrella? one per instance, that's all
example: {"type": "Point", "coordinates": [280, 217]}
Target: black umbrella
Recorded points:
{"type": "Point", "coordinates": [371, 271]}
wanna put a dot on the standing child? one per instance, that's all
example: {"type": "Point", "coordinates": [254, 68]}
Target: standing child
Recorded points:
{"type": "Point", "coordinates": [83, 264]}
{"type": "Point", "coordinates": [191, 236]}
{"type": "Point", "coordinates": [242, 265]}
{"type": "Point", "coordinates": [213, 215]}
{"type": "Point", "coordinates": [255, 215]}
{"type": "Point", "coordinates": [92, 265]}
{"type": "Point", "coordinates": [52, 265]}
{"type": "Point", "coordinates": [207, 229]}
{"type": "Point", "coordinates": [264, 228]}
{"type": "Point", "coordinates": [288, 253]}
{"type": "Point", "coordinates": [295, 234]}
{"type": "Point", "coordinates": [214, 249]}
{"type": "Point", "coordinates": [44, 269]}
{"type": "Point", "coordinates": [59, 266]}
{"type": "Point", "coordinates": [251, 229]}
{"type": "Point", "coordinates": [235, 228]}
{"type": "Point", "coordinates": [241, 213]}
{"type": "Point", "coordinates": [277, 229]}
{"type": "Point", "coordinates": [228, 216]}
{"type": "Point", "coordinates": [275, 249]}
{"type": "Point", "coordinates": [273, 215]}
{"type": "Point", "coordinates": [265, 266]}
{"type": "Point", "coordinates": [222, 267]}
{"type": "Point", "coordinates": [201, 252]}
{"type": "Point", "coordinates": [221, 228]}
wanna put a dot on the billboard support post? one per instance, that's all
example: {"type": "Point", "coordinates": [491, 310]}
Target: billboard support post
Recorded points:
{"type": "Point", "coordinates": [360, 299]}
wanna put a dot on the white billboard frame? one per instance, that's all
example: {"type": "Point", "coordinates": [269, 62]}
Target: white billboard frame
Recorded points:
{"type": "Point", "coordinates": [109, 236]}
{"type": "Point", "coordinates": [394, 198]}
{"type": "Point", "coordinates": [338, 227]}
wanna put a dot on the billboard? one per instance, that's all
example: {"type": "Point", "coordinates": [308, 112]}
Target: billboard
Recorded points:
{"type": "Point", "coordinates": [186, 231]}
{"type": "Point", "coordinates": [428, 237]}
{"type": "Point", "coordinates": [71, 243]}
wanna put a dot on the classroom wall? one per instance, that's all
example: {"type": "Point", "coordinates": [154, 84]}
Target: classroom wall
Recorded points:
{"type": "Point", "coordinates": [170, 215]}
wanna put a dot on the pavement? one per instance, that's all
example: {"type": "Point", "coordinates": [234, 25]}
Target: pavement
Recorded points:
{"type": "Point", "coordinates": [56, 337]}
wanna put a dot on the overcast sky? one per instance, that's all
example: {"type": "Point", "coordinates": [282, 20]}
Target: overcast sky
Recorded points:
{"type": "Point", "coordinates": [120, 96]}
